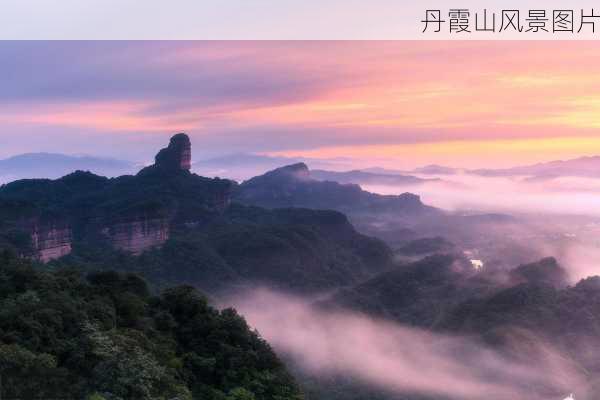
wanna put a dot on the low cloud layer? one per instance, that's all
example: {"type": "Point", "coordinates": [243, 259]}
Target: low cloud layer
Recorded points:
{"type": "Point", "coordinates": [556, 217]}
{"type": "Point", "coordinates": [568, 195]}
{"type": "Point", "coordinates": [403, 359]}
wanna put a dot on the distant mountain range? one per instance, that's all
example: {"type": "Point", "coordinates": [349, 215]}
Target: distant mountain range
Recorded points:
{"type": "Point", "coordinates": [241, 166]}
{"type": "Point", "coordinates": [52, 166]}
{"type": "Point", "coordinates": [367, 178]}
{"type": "Point", "coordinates": [588, 167]}
{"type": "Point", "coordinates": [434, 169]}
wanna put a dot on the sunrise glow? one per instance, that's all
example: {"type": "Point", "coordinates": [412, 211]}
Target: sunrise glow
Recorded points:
{"type": "Point", "coordinates": [400, 103]}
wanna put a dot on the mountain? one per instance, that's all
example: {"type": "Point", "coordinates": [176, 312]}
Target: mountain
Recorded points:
{"type": "Point", "coordinates": [566, 315]}
{"type": "Point", "coordinates": [445, 293]}
{"type": "Point", "coordinates": [424, 246]}
{"type": "Point", "coordinates": [71, 320]}
{"type": "Point", "coordinates": [432, 292]}
{"type": "Point", "coordinates": [536, 316]}
{"type": "Point", "coordinates": [434, 169]}
{"type": "Point", "coordinates": [367, 178]}
{"type": "Point", "coordinates": [395, 219]}
{"type": "Point", "coordinates": [581, 167]}
{"type": "Point", "coordinates": [52, 166]}
{"type": "Point", "coordinates": [294, 186]}
{"type": "Point", "coordinates": [131, 213]}
{"type": "Point", "coordinates": [241, 166]}
{"type": "Point", "coordinates": [385, 171]}
{"type": "Point", "coordinates": [104, 336]}
{"type": "Point", "coordinates": [586, 167]}
{"type": "Point", "coordinates": [543, 272]}
{"type": "Point", "coordinates": [418, 293]}
{"type": "Point", "coordinates": [173, 227]}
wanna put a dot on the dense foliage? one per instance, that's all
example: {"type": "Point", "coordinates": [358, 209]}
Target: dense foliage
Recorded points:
{"type": "Point", "coordinates": [213, 245]}
{"type": "Point", "coordinates": [84, 198]}
{"type": "Point", "coordinates": [291, 249]}
{"type": "Point", "coordinates": [444, 292]}
{"type": "Point", "coordinates": [420, 293]}
{"type": "Point", "coordinates": [424, 246]}
{"type": "Point", "coordinates": [63, 335]}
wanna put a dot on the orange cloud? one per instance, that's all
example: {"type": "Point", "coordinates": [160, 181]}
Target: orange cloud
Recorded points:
{"type": "Point", "coordinates": [111, 116]}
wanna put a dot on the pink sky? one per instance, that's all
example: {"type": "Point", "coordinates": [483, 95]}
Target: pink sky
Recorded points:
{"type": "Point", "coordinates": [396, 104]}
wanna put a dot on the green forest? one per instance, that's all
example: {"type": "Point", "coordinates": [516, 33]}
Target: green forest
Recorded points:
{"type": "Point", "coordinates": [65, 334]}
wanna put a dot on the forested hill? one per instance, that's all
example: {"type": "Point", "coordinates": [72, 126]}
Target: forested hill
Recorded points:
{"type": "Point", "coordinates": [174, 227]}
{"type": "Point", "coordinates": [294, 186]}
{"type": "Point", "coordinates": [63, 335]}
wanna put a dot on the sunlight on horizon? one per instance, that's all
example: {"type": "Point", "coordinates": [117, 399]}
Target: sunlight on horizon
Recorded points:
{"type": "Point", "coordinates": [401, 103]}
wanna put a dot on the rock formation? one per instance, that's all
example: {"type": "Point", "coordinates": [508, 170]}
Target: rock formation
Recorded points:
{"type": "Point", "coordinates": [177, 156]}
{"type": "Point", "coordinates": [50, 241]}
{"type": "Point", "coordinates": [137, 236]}
{"type": "Point", "coordinates": [298, 171]}
{"type": "Point", "coordinates": [134, 213]}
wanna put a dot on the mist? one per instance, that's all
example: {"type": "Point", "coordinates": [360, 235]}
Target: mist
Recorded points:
{"type": "Point", "coordinates": [556, 217]}
{"type": "Point", "coordinates": [565, 195]}
{"type": "Point", "coordinates": [402, 359]}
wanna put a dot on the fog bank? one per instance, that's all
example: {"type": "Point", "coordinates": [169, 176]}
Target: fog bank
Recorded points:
{"type": "Point", "coordinates": [403, 359]}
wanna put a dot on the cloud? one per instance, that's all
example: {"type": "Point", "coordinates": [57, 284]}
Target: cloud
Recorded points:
{"type": "Point", "coordinates": [217, 73]}
{"type": "Point", "coordinates": [268, 96]}
{"type": "Point", "coordinates": [403, 359]}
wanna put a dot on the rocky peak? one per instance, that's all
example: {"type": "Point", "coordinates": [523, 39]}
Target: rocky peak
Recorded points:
{"type": "Point", "coordinates": [177, 156]}
{"type": "Point", "coordinates": [298, 171]}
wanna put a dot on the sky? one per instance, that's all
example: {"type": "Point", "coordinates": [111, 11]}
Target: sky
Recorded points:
{"type": "Point", "coordinates": [389, 103]}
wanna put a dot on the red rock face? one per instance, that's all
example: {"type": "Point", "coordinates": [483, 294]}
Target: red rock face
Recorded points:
{"type": "Point", "coordinates": [140, 235]}
{"type": "Point", "coordinates": [50, 242]}
{"type": "Point", "coordinates": [185, 161]}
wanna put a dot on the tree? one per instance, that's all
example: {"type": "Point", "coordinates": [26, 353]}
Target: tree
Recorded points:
{"type": "Point", "coordinates": [19, 361]}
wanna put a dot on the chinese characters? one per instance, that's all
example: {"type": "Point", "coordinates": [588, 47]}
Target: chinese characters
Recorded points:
{"type": "Point", "coordinates": [461, 21]}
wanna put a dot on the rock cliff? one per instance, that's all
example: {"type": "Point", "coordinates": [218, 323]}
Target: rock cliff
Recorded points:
{"type": "Point", "coordinates": [139, 235]}
{"type": "Point", "coordinates": [177, 156]}
{"type": "Point", "coordinates": [134, 213]}
{"type": "Point", "coordinates": [49, 240]}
